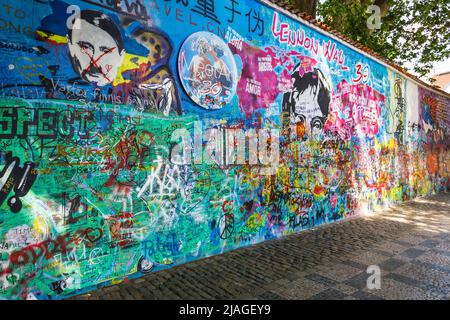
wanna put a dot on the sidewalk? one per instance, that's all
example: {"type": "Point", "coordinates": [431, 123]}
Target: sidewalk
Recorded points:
{"type": "Point", "coordinates": [410, 243]}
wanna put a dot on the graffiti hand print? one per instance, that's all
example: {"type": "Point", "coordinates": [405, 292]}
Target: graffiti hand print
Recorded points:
{"type": "Point", "coordinates": [168, 88]}
{"type": "Point", "coordinates": [155, 89]}
{"type": "Point", "coordinates": [96, 48]}
{"type": "Point", "coordinates": [14, 177]}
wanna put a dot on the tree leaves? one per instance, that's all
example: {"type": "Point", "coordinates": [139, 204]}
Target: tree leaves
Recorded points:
{"type": "Point", "coordinates": [412, 30]}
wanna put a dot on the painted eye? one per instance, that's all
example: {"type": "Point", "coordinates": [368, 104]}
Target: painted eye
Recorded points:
{"type": "Point", "coordinates": [85, 46]}
{"type": "Point", "coordinates": [317, 124]}
{"type": "Point", "coordinates": [106, 49]}
{"type": "Point", "coordinates": [300, 118]}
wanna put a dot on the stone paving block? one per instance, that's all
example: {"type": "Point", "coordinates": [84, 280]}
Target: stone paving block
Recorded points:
{"type": "Point", "coordinates": [426, 275]}
{"type": "Point", "coordinates": [431, 266]}
{"type": "Point", "coordinates": [359, 282]}
{"type": "Point", "coordinates": [269, 296]}
{"type": "Point", "coordinates": [257, 291]}
{"type": "Point", "coordinates": [443, 245]}
{"type": "Point", "coordinates": [137, 295]}
{"type": "Point", "coordinates": [300, 289]}
{"type": "Point", "coordinates": [404, 258]}
{"type": "Point", "coordinates": [345, 289]}
{"type": "Point", "coordinates": [210, 290]}
{"type": "Point", "coordinates": [406, 280]}
{"type": "Point", "coordinates": [362, 295]}
{"type": "Point", "coordinates": [384, 253]}
{"type": "Point", "coordinates": [139, 280]}
{"type": "Point", "coordinates": [246, 296]}
{"type": "Point", "coordinates": [412, 253]}
{"type": "Point", "coordinates": [291, 276]}
{"type": "Point", "coordinates": [370, 258]}
{"type": "Point", "coordinates": [229, 292]}
{"type": "Point", "coordinates": [146, 293]}
{"type": "Point", "coordinates": [355, 264]}
{"type": "Point", "coordinates": [412, 240]}
{"type": "Point", "coordinates": [435, 258]}
{"type": "Point", "coordinates": [436, 288]}
{"type": "Point", "coordinates": [439, 251]}
{"type": "Point", "coordinates": [125, 293]}
{"type": "Point", "coordinates": [110, 289]}
{"type": "Point", "coordinates": [391, 264]}
{"type": "Point", "coordinates": [395, 290]}
{"type": "Point", "coordinates": [329, 294]}
{"type": "Point", "coordinates": [430, 243]}
{"type": "Point", "coordinates": [321, 279]}
{"type": "Point", "coordinates": [402, 243]}
{"type": "Point", "coordinates": [338, 272]}
{"type": "Point", "coordinates": [116, 296]}
{"type": "Point", "coordinates": [106, 296]}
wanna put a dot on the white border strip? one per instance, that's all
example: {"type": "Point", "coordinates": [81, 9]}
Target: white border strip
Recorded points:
{"type": "Point", "coordinates": [350, 46]}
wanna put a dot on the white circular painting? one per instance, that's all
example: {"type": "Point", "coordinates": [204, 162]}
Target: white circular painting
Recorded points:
{"type": "Point", "coordinates": [208, 70]}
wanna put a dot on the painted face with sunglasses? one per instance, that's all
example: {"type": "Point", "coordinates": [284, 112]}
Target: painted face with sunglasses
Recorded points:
{"type": "Point", "coordinates": [309, 101]}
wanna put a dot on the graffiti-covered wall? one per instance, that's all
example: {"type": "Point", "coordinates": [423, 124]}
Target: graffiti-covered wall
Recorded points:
{"type": "Point", "coordinates": [136, 135]}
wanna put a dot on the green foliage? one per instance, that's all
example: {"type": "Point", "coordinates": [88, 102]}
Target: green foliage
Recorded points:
{"type": "Point", "coordinates": [414, 31]}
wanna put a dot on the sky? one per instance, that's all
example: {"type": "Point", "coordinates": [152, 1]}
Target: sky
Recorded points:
{"type": "Point", "coordinates": [441, 67]}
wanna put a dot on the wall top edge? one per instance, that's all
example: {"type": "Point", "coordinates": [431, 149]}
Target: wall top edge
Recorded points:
{"type": "Point", "coordinates": [324, 29]}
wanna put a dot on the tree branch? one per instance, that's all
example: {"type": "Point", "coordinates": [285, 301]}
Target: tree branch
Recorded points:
{"type": "Point", "coordinates": [308, 6]}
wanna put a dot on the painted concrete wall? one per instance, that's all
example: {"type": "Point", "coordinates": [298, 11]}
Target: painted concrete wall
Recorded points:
{"type": "Point", "coordinates": [136, 137]}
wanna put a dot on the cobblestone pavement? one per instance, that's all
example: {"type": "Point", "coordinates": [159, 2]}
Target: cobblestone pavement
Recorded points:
{"type": "Point", "coordinates": [410, 243]}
